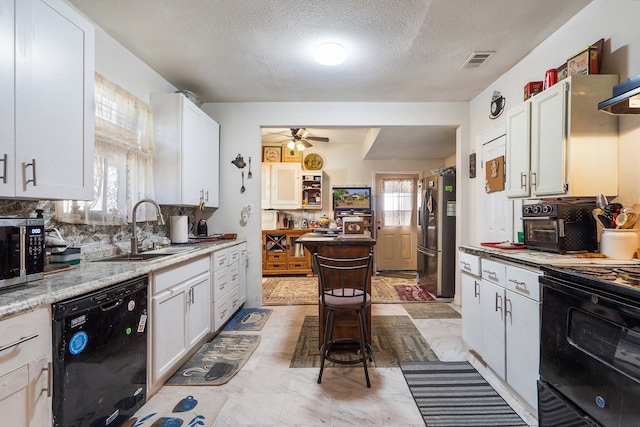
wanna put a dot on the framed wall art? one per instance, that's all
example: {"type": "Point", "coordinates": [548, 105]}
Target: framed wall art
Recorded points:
{"type": "Point", "coordinates": [271, 154]}
{"type": "Point", "coordinates": [289, 155]}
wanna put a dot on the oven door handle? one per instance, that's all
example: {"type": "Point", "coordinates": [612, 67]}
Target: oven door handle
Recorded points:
{"type": "Point", "coordinates": [538, 218]}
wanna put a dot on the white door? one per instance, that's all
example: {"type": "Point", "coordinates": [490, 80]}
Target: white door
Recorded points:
{"type": "Point", "coordinates": [199, 308]}
{"type": "Point", "coordinates": [518, 151]}
{"type": "Point", "coordinates": [396, 221]}
{"type": "Point", "coordinates": [169, 327]}
{"type": "Point", "coordinates": [496, 210]}
{"type": "Point", "coordinates": [471, 312]}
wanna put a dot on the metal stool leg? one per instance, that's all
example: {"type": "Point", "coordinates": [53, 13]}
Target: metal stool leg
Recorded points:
{"type": "Point", "coordinates": [364, 345]}
{"type": "Point", "coordinates": [328, 334]}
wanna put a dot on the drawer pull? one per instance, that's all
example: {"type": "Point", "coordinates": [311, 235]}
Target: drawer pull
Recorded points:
{"type": "Point", "coordinates": [491, 274]}
{"type": "Point", "coordinates": [521, 286]}
{"type": "Point", "coordinates": [466, 265]}
{"type": "Point", "coordinates": [18, 342]}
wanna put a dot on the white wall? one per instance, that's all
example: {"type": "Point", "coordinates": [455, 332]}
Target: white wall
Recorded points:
{"type": "Point", "coordinates": [617, 22]}
{"type": "Point", "coordinates": [240, 133]}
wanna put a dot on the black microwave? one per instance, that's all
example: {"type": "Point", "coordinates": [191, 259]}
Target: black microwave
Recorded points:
{"type": "Point", "coordinates": [560, 226]}
{"type": "Point", "coordinates": [22, 251]}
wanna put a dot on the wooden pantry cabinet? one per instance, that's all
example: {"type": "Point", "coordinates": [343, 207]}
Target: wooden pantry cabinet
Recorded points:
{"type": "Point", "coordinates": [282, 255]}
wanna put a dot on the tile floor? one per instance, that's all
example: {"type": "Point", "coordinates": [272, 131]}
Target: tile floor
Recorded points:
{"type": "Point", "coordinates": [266, 392]}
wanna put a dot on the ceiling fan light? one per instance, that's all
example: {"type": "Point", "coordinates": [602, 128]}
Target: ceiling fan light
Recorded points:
{"type": "Point", "coordinates": [291, 145]}
{"type": "Point", "coordinates": [330, 54]}
{"type": "Point", "coordinates": [301, 146]}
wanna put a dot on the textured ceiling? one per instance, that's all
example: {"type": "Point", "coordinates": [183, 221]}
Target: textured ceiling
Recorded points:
{"type": "Point", "coordinates": [398, 50]}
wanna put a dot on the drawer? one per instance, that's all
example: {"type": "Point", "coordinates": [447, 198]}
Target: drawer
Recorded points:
{"type": "Point", "coordinates": [276, 256]}
{"type": "Point", "coordinates": [243, 250]}
{"type": "Point", "coordinates": [282, 265]}
{"type": "Point", "coordinates": [165, 279]}
{"type": "Point", "coordinates": [219, 259]}
{"type": "Point", "coordinates": [221, 312]}
{"type": "Point", "coordinates": [469, 263]}
{"type": "Point", "coordinates": [232, 272]}
{"type": "Point", "coordinates": [221, 283]}
{"type": "Point", "coordinates": [234, 254]}
{"type": "Point", "coordinates": [234, 300]}
{"type": "Point", "coordinates": [494, 271]}
{"type": "Point", "coordinates": [298, 265]}
{"type": "Point", "coordinates": [524, 281]}
{"type": "Point", "coordinates": [27, 337]}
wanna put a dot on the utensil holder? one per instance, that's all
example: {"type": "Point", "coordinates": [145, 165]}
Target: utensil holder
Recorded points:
{"type": "Point", "coordinates": [619, 243]}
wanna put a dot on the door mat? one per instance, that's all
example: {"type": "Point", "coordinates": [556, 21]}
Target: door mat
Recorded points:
{"type": "Point", "coordinates": [455, 394]}
{"type": "Point", "coordinates": [436, 310]}
{"type": "Point", "coordinates": [393, 339]}
{"type": "Point", "coordinates": [169, 409]}
{"type": "Point", "coordinates": [217, 361]}
{"type": "Point", "coordinates": [304, 290]}
{"type": "Point", "coordinates": [413, 293]}
{"type": "Point", "coordinates": [248, 319]}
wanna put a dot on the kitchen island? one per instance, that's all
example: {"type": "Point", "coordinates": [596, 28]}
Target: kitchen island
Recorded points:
{"type": "Point", "coordinates": [340, 246]}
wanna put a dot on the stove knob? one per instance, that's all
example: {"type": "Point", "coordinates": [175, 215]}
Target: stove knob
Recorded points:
{"type": "Point", "coordinates": [537, 209]}
{"type": "Point", "coordinates": [528, 209]}
{"type": "Point", "coordinates": [547, 209]}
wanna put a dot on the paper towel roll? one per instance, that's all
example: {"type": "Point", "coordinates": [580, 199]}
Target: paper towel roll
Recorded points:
{"type": "Point", "coordinates": [179, 229]}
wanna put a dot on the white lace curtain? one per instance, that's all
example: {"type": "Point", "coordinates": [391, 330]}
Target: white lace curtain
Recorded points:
{"type": "Point", "coordinates": [397, 201]}
{"type": "Point", "coordinates": [123, 160]}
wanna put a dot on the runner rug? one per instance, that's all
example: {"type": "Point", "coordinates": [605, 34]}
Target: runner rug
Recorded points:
{"type": "Point", "coordinates": [393, 339]}
{"type": "Point", "coordinates": [455, 394]}
{"type": "Point", "coordinates": [217, 361]}
{"type": "Point", "coordinates": [436, 310]}
{"type": "Point", "coordinates": [248, 319]}
{"type": "Point", "coordinates": [166, 410]}
{"type": "Point", "coordinates": [304, 290]}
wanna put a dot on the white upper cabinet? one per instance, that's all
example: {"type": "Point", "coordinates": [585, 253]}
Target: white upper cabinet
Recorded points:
{"type": "Point", "coordinates": [281, 186]}
{"type": "Point", "coordinates": [187, 152]}
{"type": "Point", "coordinates": [568, 137]}
{"type": "Point", "coordinates": [46, 101]}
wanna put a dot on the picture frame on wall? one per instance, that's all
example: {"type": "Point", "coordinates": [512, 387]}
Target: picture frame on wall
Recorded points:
{"type": "Point", "coordinates": [271, 154]}
{"type": "Point", "coordinates": [290, 155]}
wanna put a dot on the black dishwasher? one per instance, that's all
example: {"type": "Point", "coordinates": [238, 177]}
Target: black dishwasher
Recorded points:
{"type": "Point", "coordinates": [100, 355]}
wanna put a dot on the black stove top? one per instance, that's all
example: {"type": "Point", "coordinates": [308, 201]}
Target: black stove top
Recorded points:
{"type": "Point", "coordinates": [619, 280]}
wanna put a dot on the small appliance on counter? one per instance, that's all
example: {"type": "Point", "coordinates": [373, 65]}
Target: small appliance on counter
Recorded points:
{"type": "Point", "coordinates": [203, 229]}
{"type": "Point", "coordinates": [560, 226]}
{"type": "Point", "coordinates": [22, 251]}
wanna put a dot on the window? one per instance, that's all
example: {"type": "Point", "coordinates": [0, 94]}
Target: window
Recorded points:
{"type": "Point", "coordinates": [123, 156]}
{"type": "Point", "coordinates": [397, 201]}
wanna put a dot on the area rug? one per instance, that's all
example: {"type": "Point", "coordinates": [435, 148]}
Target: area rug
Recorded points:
{"type": "Point", "coordinates": [436, 310]}
{"type": "Point", "coordinates": [304, 290]}
{"type": "Point", "coordinates": [217, 361]}
{"type": "Point", "coordinates": [168, 410]}
{"type": "Point", "coordinates": [455, 394]}
{"type": "Point", "coordinates": [393, 339]}
{"type": "Point", "coordinates": [248, 319]}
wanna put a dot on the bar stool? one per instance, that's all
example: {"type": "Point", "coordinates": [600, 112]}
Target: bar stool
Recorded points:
{"type": "Point", "coordinates": [343, 288]}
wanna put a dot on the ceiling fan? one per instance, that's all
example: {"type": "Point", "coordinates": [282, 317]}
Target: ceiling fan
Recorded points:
{"type": "Point", "coordinates": [300, 138]}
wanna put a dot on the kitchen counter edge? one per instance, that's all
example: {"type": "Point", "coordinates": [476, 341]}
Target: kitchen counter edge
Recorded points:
{"type": "Point", "coordinates": [89, 276]}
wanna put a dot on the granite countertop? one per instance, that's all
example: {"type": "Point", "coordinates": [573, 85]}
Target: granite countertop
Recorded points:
{"type": "Point", "coordinates": [537, 258]}
{"type": "Point", "coordinates": [90, 275]}
{"type": "Point", "coordinates": [336, 240]}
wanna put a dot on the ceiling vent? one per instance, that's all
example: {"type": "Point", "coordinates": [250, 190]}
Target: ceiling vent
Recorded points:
{"type": "Point", "coordinates": [477, 59]}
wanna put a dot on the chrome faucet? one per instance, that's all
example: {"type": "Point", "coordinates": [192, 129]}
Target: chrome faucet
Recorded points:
{"type": "Point", "coordinates": [134, 237]}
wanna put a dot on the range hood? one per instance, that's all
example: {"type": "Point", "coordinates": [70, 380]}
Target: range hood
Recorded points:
{"type": "Point", "coordinates": [626, 98]}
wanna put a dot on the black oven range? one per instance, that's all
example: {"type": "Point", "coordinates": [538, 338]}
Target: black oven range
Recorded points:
{"type": "Point", "coordinates": [590, 346]}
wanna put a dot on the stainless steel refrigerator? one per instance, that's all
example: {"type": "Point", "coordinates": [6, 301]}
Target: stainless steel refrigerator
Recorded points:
{"type": "Point", "coordinates": [437, 233]}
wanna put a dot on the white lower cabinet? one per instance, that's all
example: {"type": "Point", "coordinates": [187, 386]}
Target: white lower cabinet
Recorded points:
{"type": "Point", "coordinates": [471, 314]}
{"type": "Point", "coordinates": [229, 282]}
{"type": "Point", "coordinates": [180, 313]}
{"type": "Point", "coordinates": [509, 324]}
{"type": "Point", "coordinates": [25, 369]}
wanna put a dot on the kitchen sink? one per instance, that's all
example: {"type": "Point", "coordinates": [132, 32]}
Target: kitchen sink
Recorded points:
{"type": "Point", "coordinates": [147, 255]}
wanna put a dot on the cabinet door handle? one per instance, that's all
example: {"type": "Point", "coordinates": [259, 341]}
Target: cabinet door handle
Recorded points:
{"type": "Point", "coordinates": [206, 198]}
{"type": "Point", "coordinates": [33, 173]}
{"type": "Point", "coordinates": [523, 180]}
{"type": "Point", "coordinates": [476, 289]}
{"type": "Point", "coordinates": [534, 180]}
{"type": "Point", "coordinates": [49, 379]}
{"type": "Point", "coordinates": [4, 169]}
{"type": "Point", "coordinates": [18, 342]}
{"type": "Point", "coordinates": [499, 303]}
{"type": "Point", "coordinates": [508, 309]}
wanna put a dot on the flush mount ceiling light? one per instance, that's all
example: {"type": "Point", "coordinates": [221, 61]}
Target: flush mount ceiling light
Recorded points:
{"type": "Point", "coordinates": [330, 54]}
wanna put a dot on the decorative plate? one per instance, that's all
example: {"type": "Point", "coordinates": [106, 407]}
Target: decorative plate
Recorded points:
{"type": "Point", "coordinates": [313, 162]}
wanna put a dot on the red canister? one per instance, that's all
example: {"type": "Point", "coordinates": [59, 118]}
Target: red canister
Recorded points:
{"type": "Point", "coordinates": [550, 78]}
